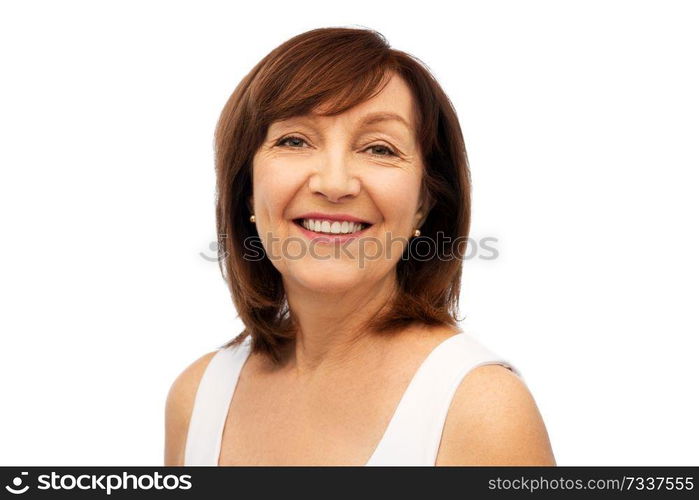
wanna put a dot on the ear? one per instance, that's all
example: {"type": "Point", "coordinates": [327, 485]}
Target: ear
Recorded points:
{"type": "Point", "coordinates": [423, 210]}
{"type": "Point", "coordinates": [251, 204]}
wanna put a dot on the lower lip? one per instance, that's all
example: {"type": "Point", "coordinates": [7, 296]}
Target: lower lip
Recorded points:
{"type": "Point", "coordinates": [330, 238]}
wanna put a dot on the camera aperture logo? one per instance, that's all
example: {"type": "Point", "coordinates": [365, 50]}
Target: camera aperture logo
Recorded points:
{"type": "Point", "coordinates": [16, 488]}
{"type": "Point", "coordinates": [105, 482]}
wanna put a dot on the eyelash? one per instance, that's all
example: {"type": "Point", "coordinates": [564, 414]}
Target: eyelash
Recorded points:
{"type": "Point", "coordinates": [390, 150]}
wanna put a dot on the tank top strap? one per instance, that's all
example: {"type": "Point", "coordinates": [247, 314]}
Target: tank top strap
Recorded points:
{"type": "Point", "coordinates": [414, 433]}
{"type": "Point", "coordinates": [211, 404]}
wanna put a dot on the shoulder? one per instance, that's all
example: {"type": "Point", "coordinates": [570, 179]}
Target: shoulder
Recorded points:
{"type": "Point", "coordinates": [494, 420]}
{"type": "Point", "coordinates": [178, 408]}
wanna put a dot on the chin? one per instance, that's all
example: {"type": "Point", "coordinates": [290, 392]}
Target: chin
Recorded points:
{"type": "Point", "coordinates": [328, 277]}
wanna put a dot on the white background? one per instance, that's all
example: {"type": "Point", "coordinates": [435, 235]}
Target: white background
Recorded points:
{"type": "Point", "coordinates": [581, 124]}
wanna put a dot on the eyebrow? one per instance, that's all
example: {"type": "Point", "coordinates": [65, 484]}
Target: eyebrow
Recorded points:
{"type": "Point", "coordinates": [382, 116]}
{"type": "Point", "coordinates": [370, 119]}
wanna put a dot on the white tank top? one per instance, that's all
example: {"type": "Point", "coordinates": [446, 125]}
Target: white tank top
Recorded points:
{"type": "Point", "coordinates": [414, 433]}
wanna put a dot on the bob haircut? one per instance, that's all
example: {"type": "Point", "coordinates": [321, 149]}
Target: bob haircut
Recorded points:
{"type": "Point", "coordinates": [338, 68]}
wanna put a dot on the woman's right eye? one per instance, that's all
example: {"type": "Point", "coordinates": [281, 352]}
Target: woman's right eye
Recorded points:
{"type": "Point", "coordinates": [292, 140]}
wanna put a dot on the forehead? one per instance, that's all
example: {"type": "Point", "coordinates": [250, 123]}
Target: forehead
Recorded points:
{"type": "Point", "coordinates": [394, 104]}
{"type": "Point", "coordinates": [395, 97]}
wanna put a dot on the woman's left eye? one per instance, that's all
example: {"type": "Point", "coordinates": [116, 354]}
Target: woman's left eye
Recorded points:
{"type": "Point", "coordinates": [386, 151]}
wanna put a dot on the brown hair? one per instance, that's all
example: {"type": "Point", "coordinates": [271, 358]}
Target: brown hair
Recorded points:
{"type": "Point", "coordinates": [339, 68]}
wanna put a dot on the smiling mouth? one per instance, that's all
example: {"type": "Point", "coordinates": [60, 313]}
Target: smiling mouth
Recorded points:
{"type": "Point", "coordinates": [330, 227]}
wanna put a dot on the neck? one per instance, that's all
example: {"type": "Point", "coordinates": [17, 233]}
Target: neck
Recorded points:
{"type": "Point", "coordinates": [331, 332]}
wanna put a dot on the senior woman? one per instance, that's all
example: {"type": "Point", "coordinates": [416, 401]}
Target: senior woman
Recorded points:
{"type": "Point", "coordinates": [336, 157]}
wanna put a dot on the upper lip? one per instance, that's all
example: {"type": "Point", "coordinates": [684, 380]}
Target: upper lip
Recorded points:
{"type": "Point", "coordinates": [337, 217]}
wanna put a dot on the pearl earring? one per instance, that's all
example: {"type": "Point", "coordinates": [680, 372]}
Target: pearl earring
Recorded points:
{"type": "Point", "coordinates": [417, 233]}
{"type": "Point", "coordinates": [252, 218]}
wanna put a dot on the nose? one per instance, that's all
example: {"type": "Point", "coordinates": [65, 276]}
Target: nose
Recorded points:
{"type": "Point", "coordinates": [334, 179]}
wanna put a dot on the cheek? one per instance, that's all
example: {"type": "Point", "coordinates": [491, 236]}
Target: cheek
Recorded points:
{"type": "Point", "coordinates": [396, 193]}
{"type": "Point", "coordinates": [274, 185]}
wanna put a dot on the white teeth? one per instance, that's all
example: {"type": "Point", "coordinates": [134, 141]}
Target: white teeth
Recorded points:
{"type": "Point", "coordinates": [332, 227]}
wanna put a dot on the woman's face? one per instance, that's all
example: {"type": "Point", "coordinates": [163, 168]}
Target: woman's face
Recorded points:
{"type": "Point", "coordinates": [314, 171]}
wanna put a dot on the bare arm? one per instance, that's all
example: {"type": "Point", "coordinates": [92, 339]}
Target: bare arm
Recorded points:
{"type": "Point", "coordinates": [494, 420]}
{"type": "Point", "coordinates": [178, 409]}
